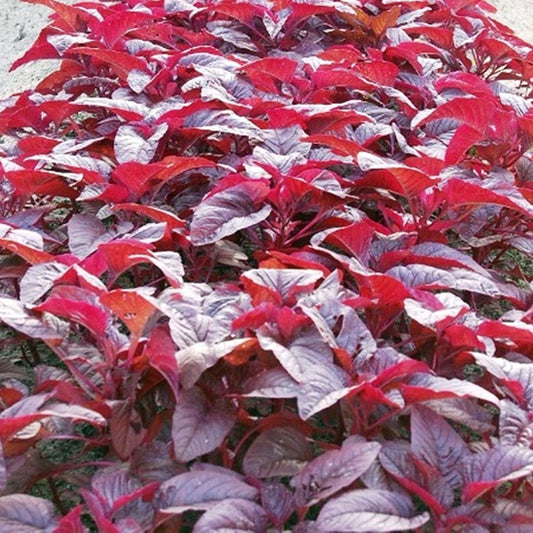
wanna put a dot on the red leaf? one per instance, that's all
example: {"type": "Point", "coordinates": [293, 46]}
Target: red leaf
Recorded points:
{"type": "Point", "coordinates": [31, 255]}
{"type": "Point", "coordinates": [160, 351]}
{"type": "Point", "coordinates": [461, 192]}
{"type": "Point", "coordinates": [264, 71]}
{"type": "Point", "coordinates": [475, 112]}
{"type": "Point", "coordinates": [116, 25]}
{"type": "Point", "coordinates": [91, 316]}
{"type": "Point", "coordinates": [71, 522]}
{"type": "Point", "coordinates": [131, 307]}
{"type": "Point", "coordinates": [380, 172]}
{"type": "Point", "coordinates": [28, 182]}
{"type": "Point", "coordinates": [121, 62]}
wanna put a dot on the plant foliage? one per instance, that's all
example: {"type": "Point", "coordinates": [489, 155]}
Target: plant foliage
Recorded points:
{"type": "Point", "coordinates": [266, 265]}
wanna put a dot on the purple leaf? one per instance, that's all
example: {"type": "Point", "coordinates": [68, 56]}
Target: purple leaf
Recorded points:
{"type": "Point", "coordinates": [439, 386]}
{"type": "Point", "coordinates": [513, 510]}
{"type": "Point", "coordinates": [354, 336]}
{"type": "Point", "coordinates": [133, 145]}
{"type": "Point", "coordinates": [516, 429]}
{"type": "Point", "coordinates": [280, 451]}
{"type": "Point", "coordinates": [286, 282]}
{"type": "Point", "coordinates": [238, 516]}
{"type": "Point", "coordinates": [26, 237]}
{"type": "Point", "coordinates": [422, 277]}
{"type": "Point", "coordinates": [448, 306]}
{"type": "Point", "coordinates": [486, 470]}
{"type": "Point", "coordinates": [325, 308]}
{"type": "Point", "coordinates": [334, 470]}
{"type": "Point", "coordinates": [74, 412]}
{"type": "Point", "coordinates": [190, 324]}
{"type": "Point", "coordinates": [199, 425]}
{"type": "Point", "coordinates": [199, 314]}
{"type": "Point", "coordinates": [26, 514]}
{"type": "Point", "coordinates": [200, 490]}
{"type": "Point", "coordinates": [324, 386]}
{"type": "Point", "coordinates": [277, 501]}
{"type": "Point", "coordinates": [193, 360]}
{"type": "Point", "coordinates": [440, 254]}
{"type": "Point", "coordinates": [3, 469]}
{"type": "Point", "coordinates": [126, 428]}
{"type": "Point", "coordinates": [151, 232]}
{"type": "Point", "coordinates": [466, 280]}
{"type": "Point", "coordinates": [29, 405]}
{"type": "Point", "coordinates": [112, 483]}
{"type": "Point", "coordinates": [505, 370]}
{"type": "Point", "coordinates": [223, 121]}
{"type": "Point", "coordinates": [271, 383]}
{"type": "Point", "coordinates": [122, 494]}
{"type": "Point", "coordinates": [46, 327]}
{"type": "Point", "coordinates": [39, 279]}
{"type": "Point", "coordinates": [464, 411]}
{"type": "Point", "coordinates": [285, 141]}
{"type": "Point", "coordinates": [169, 263]}
{"type": "Point", "coordinates": [85, 233]}
{"type": "Point", "coordinates": [370, 510]}
{"type": "Point", "coordinates": [282, 148]}
{"type": "Point", "coordinates": [154, 462]}
{"type": "Point", "coordinates": [418, 478]}
{"type": "Point", "coordinates": [78, 162]}
{"type": "Point", "coordinates": [228, 211]}
{"type": "Point", "coordinates": [177, 6]}
{"type": "Point", "coordinates": [301, 356]}
{"type": "Point", "coordinates": [231, 35]}
{"type": "Point", "coordinates": [434, 441]}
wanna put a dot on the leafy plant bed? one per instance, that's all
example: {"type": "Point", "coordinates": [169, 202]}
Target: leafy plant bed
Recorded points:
{"type": "Point", "coordinates": [267, 265]}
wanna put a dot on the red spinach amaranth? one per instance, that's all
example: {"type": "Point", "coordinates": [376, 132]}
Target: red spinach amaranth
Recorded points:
{"type": "Point", "coordinates": [266, 266]}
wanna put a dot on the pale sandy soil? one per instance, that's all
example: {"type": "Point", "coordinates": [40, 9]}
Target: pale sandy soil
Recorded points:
{"type": "Point", "coordinates": [518, 15]}
{"type": "Point", "coordinates": [20, 24]}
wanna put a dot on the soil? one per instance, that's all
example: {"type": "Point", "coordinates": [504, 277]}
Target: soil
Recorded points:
{"type": "Point", "coordinates": [21, 23]}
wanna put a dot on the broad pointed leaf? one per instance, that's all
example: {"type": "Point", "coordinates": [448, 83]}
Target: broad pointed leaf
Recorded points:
{"type": "Point", "coordinates": [201, 490]}
{"type": "Point", "coordinates": [486, 470]}
{"type": "Point", "coordinates": [26, 514]}
{"type": "Point", "coordinates": [280, 451]}
{"type": "Point", "coordinates": [199, 424]}
{"type": "Point", "coordinates": [334, 470]}
{"type": "Point", "coordinates": [18, 316]}
{"type": "Point", "coordinates": [228, 211]}
{"type": "Point", "coordinates": [238, 516]}
{"type": "Point", "coordinates": [193, 360]}
{"type": "Point", "coordinates": [434, 441]}
{"type": "Point", "coordinates": [299, 356]}
{"type": "Point", "coordinates": [370, 510]}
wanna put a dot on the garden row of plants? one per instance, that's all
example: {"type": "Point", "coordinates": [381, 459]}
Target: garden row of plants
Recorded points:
{"type": "Point", "coordinates": [266, 266]}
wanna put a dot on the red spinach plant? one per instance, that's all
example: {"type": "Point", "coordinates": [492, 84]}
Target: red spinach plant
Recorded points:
{"type": "Point", "coordinates": [266, 265]}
